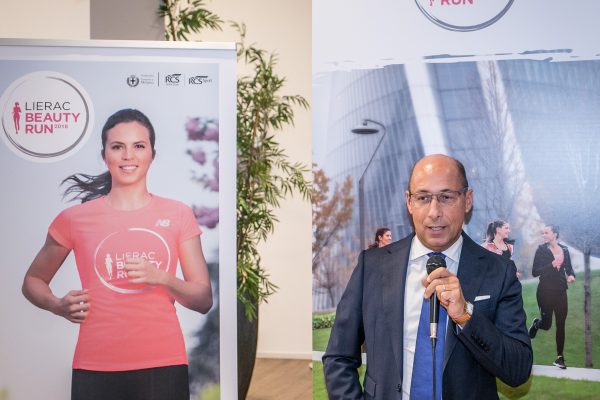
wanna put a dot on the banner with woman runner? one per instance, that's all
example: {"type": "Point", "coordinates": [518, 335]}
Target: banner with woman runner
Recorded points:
{"type": "Point", "coordinates": [119, 156]}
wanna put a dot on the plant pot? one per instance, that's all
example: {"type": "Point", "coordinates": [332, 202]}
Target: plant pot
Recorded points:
{"type": "Point", "coordinates": [247, 340]}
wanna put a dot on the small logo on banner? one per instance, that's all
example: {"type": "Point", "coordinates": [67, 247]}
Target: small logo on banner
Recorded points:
{"type": "Point", "coordinates": [163, 223]}
{"type": "Point", "coordinates": [173, 80]}
{"type": "Point", "coordinates": [199, 80]}
{"type": "Point", "coordinates": [46, 116]}
{"type": "Point", "coordinates": [464, 15]}
{"type": "Point", "coordinates": [114, 250]}
{"type": "Point", "coordinates": [133, 81]}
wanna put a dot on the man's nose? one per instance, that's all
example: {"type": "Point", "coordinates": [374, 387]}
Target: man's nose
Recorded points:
{"type": "Point", "coordinates": [435, 209]}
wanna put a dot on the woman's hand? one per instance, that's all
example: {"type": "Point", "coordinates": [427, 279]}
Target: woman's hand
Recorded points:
{"type": "Point", "coordinates": [140, 270]}
{"type": "Point", "coordinates": [74, 306]}
{"type": "Point", "coordinates": [193, 292]}
{"type": "Point", "coordinates": [570, 279]}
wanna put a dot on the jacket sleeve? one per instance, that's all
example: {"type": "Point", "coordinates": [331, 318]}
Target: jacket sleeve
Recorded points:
{"type": "Point", "coordinates": [502, 345]}
{"type": "Point", "coordinates": [343, 357]}
{"type": "Point", "coordinates": [567, 262]}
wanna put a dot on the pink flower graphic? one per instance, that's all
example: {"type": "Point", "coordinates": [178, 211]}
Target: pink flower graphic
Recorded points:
{"type": "Point", "coordinates": [202, 129]}
{"type": "Point", "coordinates": [198, 155]}
{"type": "Point", "coordinates": [207, 216]}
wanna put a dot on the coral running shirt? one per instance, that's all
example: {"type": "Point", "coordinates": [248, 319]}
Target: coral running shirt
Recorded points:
{"type": "Point", "coordinates": [129, 326]}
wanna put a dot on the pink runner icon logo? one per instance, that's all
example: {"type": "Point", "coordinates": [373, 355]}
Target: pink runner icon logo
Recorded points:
{"type": "Point", "coordinates": [16, 111]}
{"type": "Point", "coordinates": [45, 116]}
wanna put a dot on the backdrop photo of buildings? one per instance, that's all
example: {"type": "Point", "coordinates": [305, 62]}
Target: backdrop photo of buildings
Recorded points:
{"type": "Point", "coordinates": [527, 131]}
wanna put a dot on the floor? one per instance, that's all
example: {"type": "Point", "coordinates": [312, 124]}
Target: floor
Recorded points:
{"type": "Point", "coordinates": [281, 379]}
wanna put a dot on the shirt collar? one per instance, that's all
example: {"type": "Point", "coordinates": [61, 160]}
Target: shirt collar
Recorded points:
{"type": "Point", "coordinates": [418, 249]}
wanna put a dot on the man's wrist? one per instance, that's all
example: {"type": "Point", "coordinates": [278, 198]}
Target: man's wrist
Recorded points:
{"type": "Point", "coordinates": [466, 316]}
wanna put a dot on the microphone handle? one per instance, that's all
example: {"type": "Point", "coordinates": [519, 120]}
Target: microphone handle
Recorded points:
{"type": "Point", "coordinates": [434, 315]}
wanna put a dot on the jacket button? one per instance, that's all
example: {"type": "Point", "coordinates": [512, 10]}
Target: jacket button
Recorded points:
{"type": "Point", "coordinates": [399, 388]}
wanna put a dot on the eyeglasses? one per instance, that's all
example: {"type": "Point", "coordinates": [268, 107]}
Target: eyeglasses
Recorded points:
{"type": "Point", "coordinates": [444, 198]}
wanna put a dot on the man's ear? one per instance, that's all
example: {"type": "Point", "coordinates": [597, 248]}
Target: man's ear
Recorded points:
{"type": "Point", "coordinates": [408, 205]}
{"type": "Point", "coordinates": [468, 200]}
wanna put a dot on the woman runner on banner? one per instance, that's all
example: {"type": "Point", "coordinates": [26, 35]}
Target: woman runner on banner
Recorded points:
{"type": "Point", "coordinates": [127, 244]}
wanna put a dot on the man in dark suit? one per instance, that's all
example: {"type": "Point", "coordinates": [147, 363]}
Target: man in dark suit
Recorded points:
{"type": "Point", "coordinates": [485, 334]}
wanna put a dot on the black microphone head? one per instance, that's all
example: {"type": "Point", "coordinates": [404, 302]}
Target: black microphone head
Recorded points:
{"type": "Point", "coordinates": [434, 262]}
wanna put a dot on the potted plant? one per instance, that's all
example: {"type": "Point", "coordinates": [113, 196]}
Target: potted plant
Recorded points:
{"type": "Point", "coordinates": [265, 175]}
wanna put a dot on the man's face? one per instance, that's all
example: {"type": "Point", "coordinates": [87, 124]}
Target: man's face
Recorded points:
{"type": "Point", "coordinates": [438, 225]}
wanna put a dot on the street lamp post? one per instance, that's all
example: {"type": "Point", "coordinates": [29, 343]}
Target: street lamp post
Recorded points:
{"type": "Point", "coordinates": [364, 129]}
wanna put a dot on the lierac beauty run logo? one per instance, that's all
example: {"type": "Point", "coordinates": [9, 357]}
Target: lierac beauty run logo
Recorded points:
{"type": "Point", "coordinates": [46, 116]}
{"type": "Point", "coordinates": [464, 15]}
{"type": "Point", "coordinates": [114, 250]}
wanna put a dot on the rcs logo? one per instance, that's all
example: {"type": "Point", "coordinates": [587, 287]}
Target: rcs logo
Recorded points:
{"type": "Point", "coordinates": [199, 80]}
{"type": "Point", "coordinates": [173, 79]}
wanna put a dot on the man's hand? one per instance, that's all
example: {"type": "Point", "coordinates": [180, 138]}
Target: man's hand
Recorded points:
{"type": "Point", "coordinates": [448, 291]}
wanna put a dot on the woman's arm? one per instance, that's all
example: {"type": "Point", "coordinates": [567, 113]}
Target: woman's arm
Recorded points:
{"type": "Point", "coordinates": [74, 306]}
{"type": "Point", "coordinates": [194, 292]}
{"type": "Point", "coordinates": [568, 265]}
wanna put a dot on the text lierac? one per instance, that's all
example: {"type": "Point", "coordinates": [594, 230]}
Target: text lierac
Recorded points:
{"type": "Point", "coordinates": [45, 116]}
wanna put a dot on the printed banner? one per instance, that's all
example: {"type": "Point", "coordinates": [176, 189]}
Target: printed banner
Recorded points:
{"type": "Point", "coordinates": [54, 99]}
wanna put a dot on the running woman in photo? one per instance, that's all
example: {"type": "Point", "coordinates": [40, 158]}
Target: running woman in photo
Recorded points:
{"type": "Point", "coordinates": [127, 244]}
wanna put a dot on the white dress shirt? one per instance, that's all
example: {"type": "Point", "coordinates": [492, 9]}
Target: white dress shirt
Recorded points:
{"type": "Point", "coordinates": [413, 300]}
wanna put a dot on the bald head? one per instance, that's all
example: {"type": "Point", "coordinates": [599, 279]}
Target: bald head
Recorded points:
{"type": "Point", "coordinates": [439, 162]}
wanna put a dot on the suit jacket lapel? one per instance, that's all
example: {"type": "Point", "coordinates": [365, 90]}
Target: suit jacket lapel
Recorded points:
{"type": "Point", "coordinates": [471, 272]}
{"type": "Point", "coordinates": [471, 269]}
{"type": "Point", "coordinates": [394, 264]}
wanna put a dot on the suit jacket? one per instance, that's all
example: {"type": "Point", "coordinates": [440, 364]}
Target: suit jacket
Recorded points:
{"type": "Point", "coordinates": [494, 343]}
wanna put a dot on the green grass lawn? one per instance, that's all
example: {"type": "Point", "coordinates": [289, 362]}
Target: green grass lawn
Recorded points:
{"type": "Point", "coordinates": [545, 388]}
{"type": "Point", "coordinates": [319, 391]}
{"type": "Point", "coordinates": [544, 349]}
{"type": "Point", "coordinates": [540, 388]}
{"type": "Point", "coordinates": [320, 339]}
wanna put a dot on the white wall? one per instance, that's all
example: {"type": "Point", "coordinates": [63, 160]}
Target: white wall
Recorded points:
{"type": "Point", "coordinates": [40, 19]}
{"type": "Point", "coordinates": [135, 19]}
{"type": "Point", "coordinates": [283, 26]}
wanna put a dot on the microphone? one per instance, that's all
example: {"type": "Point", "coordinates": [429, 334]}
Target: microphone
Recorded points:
{"type": "Point", "coordinates": [434, 262]}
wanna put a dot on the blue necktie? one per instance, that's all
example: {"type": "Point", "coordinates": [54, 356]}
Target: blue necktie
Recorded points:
{"type": "Point", "coordinates": [421, 385]}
